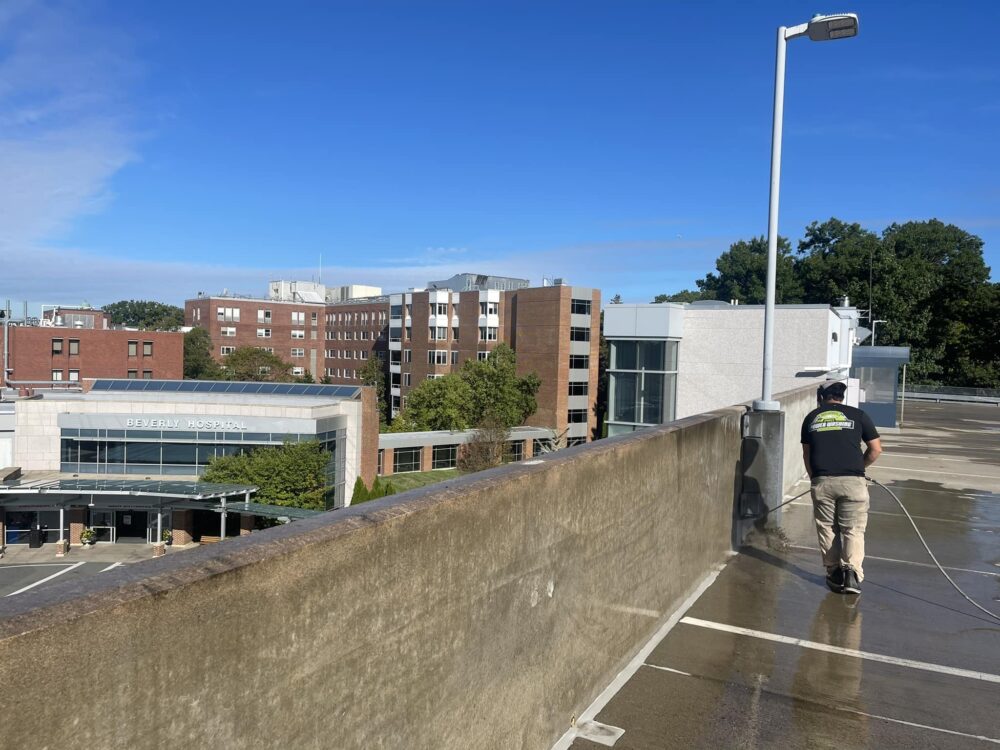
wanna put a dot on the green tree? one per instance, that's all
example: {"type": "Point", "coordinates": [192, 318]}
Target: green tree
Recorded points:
{"type": "Point", "coordinates": [497, 391]}
{"type": "Point", "coordinates": [742, 274]}
{"type": "Point", "coordinates": [293, 474]}
{"type": "Point", "coordinates": [145, 314]}
{"type": "Point", "coordinates": [360, 493]}
{"type": "Point", "coordinates": [440, 404]}
{"type": "Point", "coordinates": [487, 448]}
{"type": "Point", "coordinates": [939, 300]}
{"type": "Point", "coordinates": [835, 259]}
{"type": "Point", "coordinates": [685, 295]}
{"type": "Point", "coordinates": [254, 364]}
{"type": "Point", "coordinates": [198, 361]}
{"type": "Point", "coordinates": [373, 374]}
{"type": "Point", "coordinates": [481, 389]}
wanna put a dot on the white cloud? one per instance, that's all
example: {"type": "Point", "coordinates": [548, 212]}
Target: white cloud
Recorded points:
{"type": "Point", "coordinates": [64, 127]}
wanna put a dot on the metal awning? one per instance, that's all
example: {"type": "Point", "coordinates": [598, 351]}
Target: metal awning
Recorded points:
{"type": "Point", "coordinates": [140, 494]}
{"type": "Point", "coordinates": [180, 490]}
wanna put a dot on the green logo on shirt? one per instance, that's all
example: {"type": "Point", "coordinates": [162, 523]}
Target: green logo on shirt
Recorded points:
{"type": "Point", "coordinates": [827, 421]}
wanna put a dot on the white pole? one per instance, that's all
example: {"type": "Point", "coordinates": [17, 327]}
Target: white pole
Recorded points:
{"type": "Point", "coordinates": [766, 403]}
{"type": "Point", "coordinates": [902, 408]}
{"type": "Point", "coordinates": [62, 522]}
{"type": "Point", "coordinates": [222, 522]}
{"type": "Point", "coordinates": [159, 524]}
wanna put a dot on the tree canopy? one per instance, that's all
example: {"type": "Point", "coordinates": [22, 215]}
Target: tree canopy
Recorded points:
{"type": "Point", "coordinates": [483, 389]}
{"type": "Point", "coordinates": [145, 314]}
{"type": "Point", "coordinates": [926, 279]}
{"type": "Point", "coordinates": [293, 474]}
{"type": "Point", "coordinates": [198, 361]}
{"type": "Point", "coordinates": [254, 364]}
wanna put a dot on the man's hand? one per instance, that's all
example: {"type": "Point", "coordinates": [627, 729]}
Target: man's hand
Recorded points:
{"type": "Point", "coordinates": [873, 452]}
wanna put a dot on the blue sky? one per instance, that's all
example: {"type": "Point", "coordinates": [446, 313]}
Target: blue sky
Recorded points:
{"type": "Point", "coordinates": [154, 150]}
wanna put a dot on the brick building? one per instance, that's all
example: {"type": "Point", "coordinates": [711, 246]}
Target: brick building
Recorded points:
{"type": "Point", "coordinates": [555, 331]}
{"type": "Point", "coordinates": [44, 353]}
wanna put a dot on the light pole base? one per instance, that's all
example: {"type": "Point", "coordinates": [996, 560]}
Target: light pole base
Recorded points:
{"type": "Point", "coordinates": [759, 405]}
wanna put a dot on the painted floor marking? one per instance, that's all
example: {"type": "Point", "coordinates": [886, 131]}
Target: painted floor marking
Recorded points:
{"type": "Point", "coordinates": [601, 734]}
{"type": "Point", "coordinates": [870, 656]}
{"type": "Point", "coordinates": [667, 669]}
{"type": "Point", "coordinates": [564, 742]}
{"type": "Point", "coordinates": [934, 471]}
{"type": "Point", "coordinates": [803, 504]}
{"type": "Point", "coordinates": [845, 709]}
{"type": "Point", "coordinates": [44, 580]}
{"type": "Point", "coordinates": [907, 562]}
{"type": "Point", "coordinates": [112, 565]}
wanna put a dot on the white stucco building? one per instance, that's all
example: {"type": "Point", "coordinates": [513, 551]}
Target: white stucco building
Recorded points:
{"type": "Point", "coordinates": [669, 361]}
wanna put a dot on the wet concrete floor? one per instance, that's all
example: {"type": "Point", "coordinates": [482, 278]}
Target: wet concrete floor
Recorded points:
{"type": "Point", "coordinates": [768, 657]}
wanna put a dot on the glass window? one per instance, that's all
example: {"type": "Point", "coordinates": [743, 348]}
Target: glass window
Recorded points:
{"type": "Point", "coordinates": [147, 374]}
{"type": "Point", "coordinates": [624, 355]}
{"type": "Point", "coordinates": [515, 450]}
{"type": "Point", "coordinates": [405, 460]}
{"type": "Point", "coordinates": [579, 362]}
{"type": "Point", "coordinates": [444, 457]}
{"type": "Point", "coordinates": [133, 348]}
{"type": "Point", "coordinates": [579, 334]}
{"type": "Point", "coordinates": [132, 374]}
{"type": "Point", "coordinates": [381, 459]}
{"type": "Point", "coordinates": [57, 346]}
{"type": "Point", "coordinates": [624, 388]}
{"type": "Point", "coordinates": [580, 307]}
{"type": "Point", "coordinates": [174, 453]}
{"type": "Point", "coordinates": [579, 389]}
{"type": "Point", "coordinates": [575, 416]}
{"type": "Point", "coordinates": [147, 348]}
{"type": "Point", "coordinates": [74, 346]}
{"type": "Point", "coordinates": [57, 375]}
{"type": "Point", "coordinates": [140, 453]}
{"type": "Point", "coordinates": [74, 376]}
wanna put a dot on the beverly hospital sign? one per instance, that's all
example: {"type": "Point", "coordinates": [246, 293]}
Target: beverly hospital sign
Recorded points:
{"type": "Point", "coordinates": [188, 424]}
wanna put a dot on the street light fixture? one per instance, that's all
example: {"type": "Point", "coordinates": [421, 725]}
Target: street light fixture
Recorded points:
{"type": "Point", "coordinates": [819, 29]}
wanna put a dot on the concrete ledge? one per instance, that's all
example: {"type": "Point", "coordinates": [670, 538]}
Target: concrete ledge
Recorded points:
{"type": "Point", "coordinates": [482, 612]}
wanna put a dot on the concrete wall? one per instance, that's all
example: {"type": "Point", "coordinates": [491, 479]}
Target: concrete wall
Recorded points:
{"type": "Point", "coordinates": [719, 356]}
{"type": "Point", "coordinates": [485, 612]}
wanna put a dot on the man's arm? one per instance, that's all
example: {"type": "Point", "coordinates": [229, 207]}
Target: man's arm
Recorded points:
{"type": "Point", "coordinates": [805, 459]}
{"type": "Point", "coordinates": [873, 452]}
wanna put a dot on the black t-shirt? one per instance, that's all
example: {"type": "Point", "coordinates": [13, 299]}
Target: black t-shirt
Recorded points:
{"type": "Point", "coordinates": [834, 433]}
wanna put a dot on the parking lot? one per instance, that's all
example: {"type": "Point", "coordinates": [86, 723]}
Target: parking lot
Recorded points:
{"type": "Point", "coordinates": [23, 569]}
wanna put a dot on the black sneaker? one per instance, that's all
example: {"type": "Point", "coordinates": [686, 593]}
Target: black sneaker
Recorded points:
{"type": "Point", "coordinates": [835, 580]}
{"type": "Point", "coordinates": [851, 583]}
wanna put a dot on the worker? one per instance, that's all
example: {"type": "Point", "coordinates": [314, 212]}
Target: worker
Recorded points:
{"type": "Point", "coordinates": [831, 449]}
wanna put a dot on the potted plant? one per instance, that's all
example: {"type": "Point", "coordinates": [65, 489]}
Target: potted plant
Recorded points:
{"type": "Point", "coordinates": [167, 537]}
{"type": "Point", "coordinates": [88, 537]}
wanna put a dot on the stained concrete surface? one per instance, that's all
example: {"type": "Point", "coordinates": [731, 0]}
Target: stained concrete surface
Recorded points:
{"type": "Point", "coordinates": [707, 688]}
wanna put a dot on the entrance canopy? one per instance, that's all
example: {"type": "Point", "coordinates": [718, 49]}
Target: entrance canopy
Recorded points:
{"type": "Point", "coordinates": [139, 493]}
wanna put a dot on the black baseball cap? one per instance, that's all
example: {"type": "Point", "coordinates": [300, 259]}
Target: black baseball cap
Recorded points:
{"type": "Point", "coordinates": [835, 390]}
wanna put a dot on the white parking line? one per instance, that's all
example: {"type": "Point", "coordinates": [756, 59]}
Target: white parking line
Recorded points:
{"type": "Point", "coordinates": [906, 562]}
{"type": "Point", "coordinates": [44, 580]}
{"type": "Point", "coordinates": [872, 716]}
{"type": "Point", "coordinates": [868, 655]}
{"type": "Point", "coordinates": [932, 471]}
{"type": "Point", "coordinates": [112, 565]}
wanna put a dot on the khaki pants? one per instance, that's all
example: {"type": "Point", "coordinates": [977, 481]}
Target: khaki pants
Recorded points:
{"type": "Point", "coordinates": [840, 510]}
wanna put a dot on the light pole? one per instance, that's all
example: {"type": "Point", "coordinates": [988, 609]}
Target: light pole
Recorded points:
{"type": "Point", "coordinates": [819, 29]}
{"type": "Point", "coordinates": [875, 323]}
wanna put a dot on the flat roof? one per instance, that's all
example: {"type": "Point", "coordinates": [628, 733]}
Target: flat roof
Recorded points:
{"type": "Point", "coordinates": [226, 386]}
{"type": "Point", "coordinates": [189, 490]}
